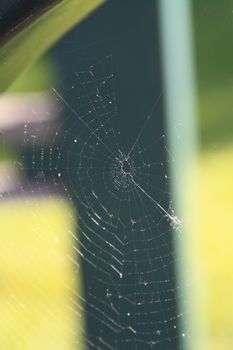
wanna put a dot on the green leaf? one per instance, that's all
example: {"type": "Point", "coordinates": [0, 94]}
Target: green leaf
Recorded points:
{"type": "Point", "coordinates": [20, 52]}
{"type": "Point", "coordinates": [39, 77]}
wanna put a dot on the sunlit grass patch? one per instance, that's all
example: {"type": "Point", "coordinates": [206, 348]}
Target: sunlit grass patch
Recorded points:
{"type": "Point", "coordinates": [38, 278]}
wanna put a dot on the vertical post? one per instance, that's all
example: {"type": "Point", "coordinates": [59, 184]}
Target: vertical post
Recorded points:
{"type": "Point", "coordinates": [180, 107]}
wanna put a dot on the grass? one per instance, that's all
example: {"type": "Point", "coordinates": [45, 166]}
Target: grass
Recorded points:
{"type": "Point", "coordinates": [37, 276]}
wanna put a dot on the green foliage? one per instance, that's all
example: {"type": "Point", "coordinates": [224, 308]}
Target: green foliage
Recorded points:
{"type": "Point", "coordinates": [213, 33]}
{"type": "Point", "coordinates": [39, 77]}
{"type": "Point", "coordinates": [29, 44]}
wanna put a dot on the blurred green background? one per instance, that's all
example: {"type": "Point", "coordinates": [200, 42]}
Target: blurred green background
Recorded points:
{"type": "Point", "coordinates": [208, 249]}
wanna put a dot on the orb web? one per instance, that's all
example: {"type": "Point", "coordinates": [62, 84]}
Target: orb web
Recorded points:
{"type": "Point", "coordinates": [123, 236]}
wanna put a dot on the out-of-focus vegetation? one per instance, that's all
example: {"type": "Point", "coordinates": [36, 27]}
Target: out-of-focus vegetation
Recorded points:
{"type": "Point", "coordinates": [37, 276]}
{"type": "Point", "coordinates": [210, 245]}
{"type": "Point", "coordinates": [23, 49]}
{"type": "Point", "coordinates": [39, 77]}
{"type": "Point", "coordinates": [213, 33]}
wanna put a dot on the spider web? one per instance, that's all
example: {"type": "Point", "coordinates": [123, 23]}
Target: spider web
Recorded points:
{"type": "Point", "coordinates": [123, 239]}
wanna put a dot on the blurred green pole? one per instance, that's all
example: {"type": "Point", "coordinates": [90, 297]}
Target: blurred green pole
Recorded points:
{"type": "Point", "coordinates": [180, 107]}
